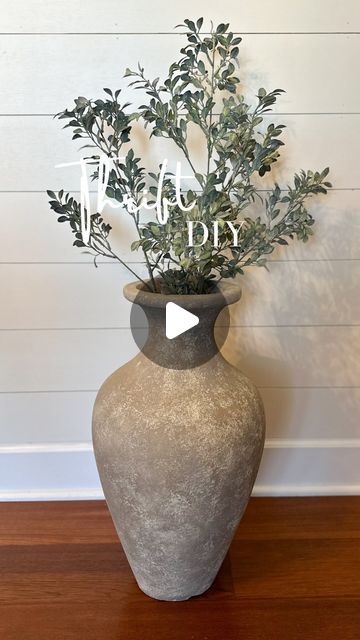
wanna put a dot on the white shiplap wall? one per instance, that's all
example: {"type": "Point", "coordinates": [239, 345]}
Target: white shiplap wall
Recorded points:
{"type": "Point", "coordinates": [64, 325]}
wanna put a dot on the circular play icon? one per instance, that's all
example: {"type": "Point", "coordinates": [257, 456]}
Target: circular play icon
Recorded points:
{"type": "Point", "coordinates": [180, 331]}
{"type": "Point", "coordinates": [178, 320]}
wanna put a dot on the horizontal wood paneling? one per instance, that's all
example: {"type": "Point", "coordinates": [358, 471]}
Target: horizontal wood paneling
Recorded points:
{"type": "Point", "coordinates": [291, 414]}
{"type": "Point", "coordinates": [61, 360]}
{"type": "Point", "coordinates": [45, 417]}
{"type": "Point", "coordinates": [65, 296]}
{"type": "Point", "coordinates": [30, 232]}
{"type": "Point", "coordinates": [297, 356]}
{"type": "Point", "coordinates": [51, 471]}
{"type": "Point", "coordinates": [336, 232]}
{"type": "Point", "coordinates": [31, 147]}
{"type": "Point", "coordinates": [312, 413]}
{"type": "Point", "coordinates": [309, 467]}
{"type": "Point", "coordinates": [273, 356]}
{"type": "Point", "coordinates": [300, 293]}
{"type": "Point", "coordinates": [117, 16]}
{"type": "Point", "coordinates": [45, 80]}
{"type": "Point", "coordinates": [76, 296]}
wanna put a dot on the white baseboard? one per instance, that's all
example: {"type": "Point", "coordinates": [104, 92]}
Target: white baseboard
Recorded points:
{"type": "Point", "coordinates": [67, 471]}
{"type": "Point", "coordinates": [283, 490]}
{"type": "Point", "coordinates": [51, 495]}
{"type": "Point", "coordinates": [259, 491]}
{"type": "Point", "coordinates": [270, 443]}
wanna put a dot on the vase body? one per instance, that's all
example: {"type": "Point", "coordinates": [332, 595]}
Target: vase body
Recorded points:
{"type": "Point", "coordinates": [178, 446]}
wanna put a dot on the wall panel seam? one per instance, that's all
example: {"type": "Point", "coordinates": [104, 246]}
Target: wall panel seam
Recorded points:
{"type": "Point", "coordinates": [43, 191]}
{"type": "Point", "coordinates": [232, 326]}
{"type": "Point", "coordinates": [260, 387]}
{"type": "Point", "coordinates": [174, 33]}
{"type": "Point", "coordinates": [270, 443]}
{"type": "Point", "coordinates": [95, 493]}
{"type": "Point", "coordinates": [140, 262]}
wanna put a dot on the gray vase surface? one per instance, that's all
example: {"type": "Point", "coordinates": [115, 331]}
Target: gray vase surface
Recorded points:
{"type": "Point", "coordinates": [178, 445]}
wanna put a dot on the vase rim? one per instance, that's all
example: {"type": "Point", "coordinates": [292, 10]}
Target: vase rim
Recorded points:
{"type": "Point", "coordinates": [226, 293]}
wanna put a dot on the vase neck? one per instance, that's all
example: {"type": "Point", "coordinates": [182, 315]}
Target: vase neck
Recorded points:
{"type": "Point", "coordinates": [194, 346]}
{"type": "Point", "coordinates": [189, 349]}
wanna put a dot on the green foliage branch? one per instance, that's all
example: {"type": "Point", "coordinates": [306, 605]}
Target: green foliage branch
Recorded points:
{"type": "Point", "coordinates": [201, 90]}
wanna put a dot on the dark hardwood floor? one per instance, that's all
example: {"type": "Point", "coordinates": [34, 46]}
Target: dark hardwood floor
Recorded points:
{"type": "Point", "coordinates": [293, 572]}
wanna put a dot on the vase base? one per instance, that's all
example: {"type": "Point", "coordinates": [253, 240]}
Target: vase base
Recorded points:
{"type": "Point", "coordinates": [168, 597]}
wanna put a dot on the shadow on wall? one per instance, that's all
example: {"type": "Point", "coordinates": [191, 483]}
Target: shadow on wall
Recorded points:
{"type": "Point", "coordinates": [253, 364]}
{"type": "Point", "coordinates": [300, 293]}
{"type": "Point", "coordinates": [310, 360]}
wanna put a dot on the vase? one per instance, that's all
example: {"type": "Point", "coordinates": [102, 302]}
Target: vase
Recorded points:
{"type": "Point", "coordinates": [178, 435]}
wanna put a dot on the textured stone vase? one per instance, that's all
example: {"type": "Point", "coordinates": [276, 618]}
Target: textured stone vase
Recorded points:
{"type": "Point", "coordinates": [178, 445]}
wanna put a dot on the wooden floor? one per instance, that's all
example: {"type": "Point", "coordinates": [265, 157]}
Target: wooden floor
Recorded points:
{"type": "Point", "coordinates": [293, 572]}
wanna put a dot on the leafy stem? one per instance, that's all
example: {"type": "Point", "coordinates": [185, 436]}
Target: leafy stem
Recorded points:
{"type": "Point", "coordinates": [200, 93]}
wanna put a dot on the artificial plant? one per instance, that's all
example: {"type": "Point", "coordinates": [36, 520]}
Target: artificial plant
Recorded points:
{"type": "Point", "coordinates": [201, 90]}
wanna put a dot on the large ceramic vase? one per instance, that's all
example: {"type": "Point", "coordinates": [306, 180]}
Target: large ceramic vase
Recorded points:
{"type": "Point", "coordinates": [178, 436]}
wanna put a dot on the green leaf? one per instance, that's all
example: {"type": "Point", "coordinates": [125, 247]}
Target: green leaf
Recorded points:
{"type": "Point", "coordinates": [222, 28]}
{"type": "Point", "coordinates": [81, 102]}
{"type": "Point", "coordinates": [201, 67]}
{"type": "Point", "coordinates": [190, 24]}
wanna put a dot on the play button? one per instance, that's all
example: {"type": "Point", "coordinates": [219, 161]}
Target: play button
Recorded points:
{"type": "Point", "coordinates": [176, 331]}
{"type": "Point", "coordinates": [178, 320]}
